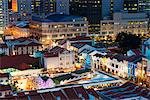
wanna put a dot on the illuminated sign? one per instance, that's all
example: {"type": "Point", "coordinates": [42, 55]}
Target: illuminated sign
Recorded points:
{"type": "Point", "coordinates": [14, 6]}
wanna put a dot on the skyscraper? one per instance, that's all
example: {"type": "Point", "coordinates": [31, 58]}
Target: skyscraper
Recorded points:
{"type": "Point", "coordinates": [144, 5]}
{"type": "Point", "coordinates": [92, 9]}
{"type": "Point", "coordinates": [131, 6]}
{"type": "Point", "coordinates": [95, 11]}
{"type": "Point", "coordinates": [4, 20]}
{"type": "Point", "coordinates": [43, 7]}
{"type": "Point", "coordinates": [62, 6]}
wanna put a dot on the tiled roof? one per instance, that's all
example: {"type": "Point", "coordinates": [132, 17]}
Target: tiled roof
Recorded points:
{"type": "Point", "coordinates": [126, 90]}
{"type": "Point", "coordinates": [4, 75]}
{"type": "Point", "coordinates": [93, 92]}
{"type": "Point", "coordinates": [3, 45]}
{"type": "Point", "coordinates": [137, 52]}
{"type": "Point", "coordinates": [22, 24]}
{"type": "Point", "coordinates": [16, 61]}
{"type": "Point", "coordinates": [98, 55]}
{"type": "Point", "coordinates": [134, 58]}
{"type": "Point", "coordinates": [5, 87]}
{"type": "Point", "coordinates": [22, 42]}
{"type": "Point", "coordinates": [54, 52]}
{"type": "Point", "coordinates": [48, 96]}
{"type": "Point", "coordinates": [71, 93]}
{"type": "Point", "coordinates": [82, 91]}
{"type": "Point", "coordinates": [60, 94]}
{"type": "Point", "coordinates": [35, 97]}
{"type": "Point", "coordinates": [78, 45]}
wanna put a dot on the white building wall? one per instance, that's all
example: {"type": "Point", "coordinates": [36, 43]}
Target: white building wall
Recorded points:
{"type": "Point", "coordinates": [51, 62]}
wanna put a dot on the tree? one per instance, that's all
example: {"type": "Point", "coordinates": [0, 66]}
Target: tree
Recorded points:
{"type": "Point", "coordinates": [127, 41]}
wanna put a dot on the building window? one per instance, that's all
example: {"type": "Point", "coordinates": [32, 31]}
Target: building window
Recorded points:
{"type": "Point", "coordinates": [116, 66]}
{"type": "Point", "coordinates": [112, 65]}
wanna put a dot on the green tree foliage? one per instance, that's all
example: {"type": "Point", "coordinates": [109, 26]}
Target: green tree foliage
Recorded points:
{"type": "Point", "coordinates": [127, 41]}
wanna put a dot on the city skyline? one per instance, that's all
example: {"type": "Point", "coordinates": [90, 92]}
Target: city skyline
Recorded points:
{"type": "Point", "coordinates": [75, 49]}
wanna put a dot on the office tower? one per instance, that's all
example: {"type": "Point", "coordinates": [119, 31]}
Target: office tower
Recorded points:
{"type": "Point", "coordinates": [4, 20]}
{"type": "Point", "coordinates": [24, 9]}
{"type": "Point", "coordinates": [43, 7]}
{"type": "Point", "coordinates": [62, 6]}
{"type": "Point", "coordinates": [144, 5]}
{"type": "Point", "coordinates": [131, 6]}
{"type": "Point", "coordinates": [111, 6]}
{"type": "Point", "coordinates": [20, 9]}
{"type": "Point", "coordinates": [95, 10]}
{"type": "Point", "coordinates": [91, 9]}
{"type": "Point", "coordinates": [117, 5]}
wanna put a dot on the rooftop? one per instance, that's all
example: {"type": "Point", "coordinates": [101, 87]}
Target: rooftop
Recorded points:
{"type": "Point", "coordinates": [54, 52]}
{"type": "Point", "coordinates": [22, 42]}
{"type": "Point", "coordinates": [22, 24]}
{"type": "Point", "coordinates": [69, 93]}
{"type": "Point", "coordinates": [17, 61]}
{"type": "Point", "coordinates": [127, 90]}
{"type": "Point", "coordinates": [58, 18]}
{"type": "Point", "coordinates": [4, 75]}
{"type": "Point", "coordinates": [5, 87]}
{"type": "Point", "coordinates": [3, 45]}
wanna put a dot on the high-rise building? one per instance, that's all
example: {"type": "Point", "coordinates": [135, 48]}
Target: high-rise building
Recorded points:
{"type": "Point", "coordinates": [111, 6]}
{"type": "Point", "coordinates": [144, 5]}
{"type": "Point", "coordinates": [95, 11]}
{"type": "Point", "coordinates": [62, 6]}
{"type": "Point", "coordinates": [131, 6]}
{"type": "Point", "coordinates": [20, 10]}
{"type": "Point", "coordinates": [26, 8]}
{"type": "Point", "coordinates": [43, 7]}
{"type": "Point", "coordinates": [4, 20]}
{"type": "Point", "coordinates": [92, 9]}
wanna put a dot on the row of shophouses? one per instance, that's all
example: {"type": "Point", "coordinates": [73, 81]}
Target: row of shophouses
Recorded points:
{"type": "Point", "coordinates": [134, 67]}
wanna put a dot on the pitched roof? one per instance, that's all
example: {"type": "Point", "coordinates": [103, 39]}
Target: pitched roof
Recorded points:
{"type": "Point", "coordinates": [98, 55]}
{"type": "Point", "coordinates": [71, 93]}
{"type": "Point", "coordinates": [82, 91]}
{"type": "Point", "coordinates": [77, 45]}
{"type": "Point", "coordinates": [137, 52]}
{"type": "Point", "coordinates": [4, 75]}
{"type": "Point", "coordinates": [3, 45]}
{"type": "Point", "coordinates": [22, 42]}
{"type": "Point", "coordinates": [93, 92]}
{"type": "Point", "coordinates": [126, 90]}
{"type": "Point", "coordinates": [59, 94]}
{"type": "Point", "coordinates": [16, 61]}
{"type": "Point", "coordinates": [35, 97]}
{"type": "Point", "coordinates": [5, 87]}
{"type": "Point", "coordinates": [54, 52]}
{"type": "Point", "coordinates": [48, 96]}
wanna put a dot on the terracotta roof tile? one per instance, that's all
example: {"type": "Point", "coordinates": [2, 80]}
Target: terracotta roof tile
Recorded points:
{"type": "Point", "coordinates": [82, 91]}
{"type": "Point", "coordinates": [47, 96]}
{"type": "Point", "coordinates": [5, 87]}
{"type": "Point", "coordinates": [16, 61]}
{"type": "Point", "coordinates": [93, 92]}
{"type": "Point", "coordinates": [71, 93]}
{"type": "Point", "coordinates": [59, 94]}
{"type": "Point", "coordinates": [4, 75]}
